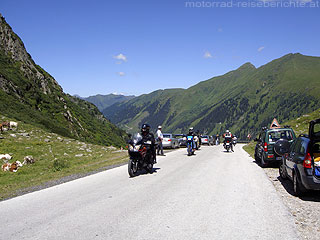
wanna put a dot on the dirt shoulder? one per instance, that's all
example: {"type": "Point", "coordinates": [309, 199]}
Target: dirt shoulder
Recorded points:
{"type": "Point", "coordinates": [305, 210]}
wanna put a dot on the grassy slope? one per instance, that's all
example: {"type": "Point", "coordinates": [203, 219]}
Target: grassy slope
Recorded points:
{"type": "Point", "coordinates": [54, 159]}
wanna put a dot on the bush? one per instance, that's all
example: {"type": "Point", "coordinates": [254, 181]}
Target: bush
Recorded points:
{"type": "Point", "coordinates": [59, 164]}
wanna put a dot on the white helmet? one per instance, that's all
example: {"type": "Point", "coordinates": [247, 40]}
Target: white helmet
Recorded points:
{"type": "Point", "coordinates": [227, 131]}
{"type": "Point", "coordinates": [159, 127]}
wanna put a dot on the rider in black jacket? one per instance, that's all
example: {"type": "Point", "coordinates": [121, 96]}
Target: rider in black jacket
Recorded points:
{"type": "Point", "coordinates": [148, 136]}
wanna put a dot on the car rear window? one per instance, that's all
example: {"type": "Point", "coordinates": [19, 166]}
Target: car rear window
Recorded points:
{"type": "Point", "coordinates": [205, 136]}
{"type": "Point", "coordinates": [283, 134]}
{"type": "Point", "coordinates": [166, 135]}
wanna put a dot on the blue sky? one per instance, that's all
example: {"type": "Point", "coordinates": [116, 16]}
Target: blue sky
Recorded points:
{"type": "Point", "coordinates": [135, 47]}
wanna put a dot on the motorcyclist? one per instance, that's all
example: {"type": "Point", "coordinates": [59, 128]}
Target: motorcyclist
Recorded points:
{"type": "Point", "coordinates": [191, 133]}
{"type": "Point", "coordinates": [148, 136]}
{"type": "Point", "coordinates": [198, 139]}
{"type": "Point", "coordinates": [217, 139]}
{"type": "Point", "coordinates": [228, 136]}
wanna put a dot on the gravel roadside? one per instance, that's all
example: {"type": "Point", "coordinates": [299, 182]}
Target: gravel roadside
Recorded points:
{"type": "Point", "coordinates": [306, 209]}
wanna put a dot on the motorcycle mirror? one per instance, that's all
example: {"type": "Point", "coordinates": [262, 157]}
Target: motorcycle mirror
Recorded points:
{"type": "Point", "coordinates": [281, 147]}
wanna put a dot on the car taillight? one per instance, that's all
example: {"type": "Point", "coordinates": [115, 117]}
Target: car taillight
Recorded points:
{"type": "Point", "coordinates": [307, 161]}
{"type": "Point", "coordinates": [169, 140]}
{"type": "Point", "coordinates": [265, 147]}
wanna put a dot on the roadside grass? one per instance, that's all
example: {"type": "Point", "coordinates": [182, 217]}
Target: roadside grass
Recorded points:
{"type": "Point", "coordinates": [301, 124]}
{"type": "Point", "coordinates": [55, 157]}
{"type": "Point", "coordinates": [249, 148]}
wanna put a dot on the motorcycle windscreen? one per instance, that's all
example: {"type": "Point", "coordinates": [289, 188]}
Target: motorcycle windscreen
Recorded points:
{"type": "Point", "coordinates": [136, 138]}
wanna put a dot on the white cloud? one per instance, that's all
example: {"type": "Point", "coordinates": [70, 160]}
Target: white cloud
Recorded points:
{"type": "Point", "coordinates": [120, 57]}
{"type": "Point", "coordinates": [116, 93]}
{"type": "Point", "coordinates": [207, 54]}
{"type": "Point", "coordinates": [260, 48]}
{"type": "Point", "coordinates": [121, 74]}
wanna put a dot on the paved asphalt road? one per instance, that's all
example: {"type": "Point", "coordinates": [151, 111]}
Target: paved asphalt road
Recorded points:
{"type": "Point", "coordinates": [213, 195]}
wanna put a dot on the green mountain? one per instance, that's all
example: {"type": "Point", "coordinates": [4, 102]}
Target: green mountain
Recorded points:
{"type": "Point", "coordinates": [29, 94]}
{"type": "Point", "coordinates": [242, 100]}
{"type": "Point", "coordinates": [104, 101]}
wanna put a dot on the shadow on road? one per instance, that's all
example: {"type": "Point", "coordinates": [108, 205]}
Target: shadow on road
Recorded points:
{"type": "Point", "coordinates": [310, 196]}
{"type": "Point", "coordinates": [274, 165]}
{"type": "Point", "coordinates": [144, 172]}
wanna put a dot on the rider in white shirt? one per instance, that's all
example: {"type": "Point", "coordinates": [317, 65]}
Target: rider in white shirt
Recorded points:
{"type": "Point", "coordinates": [159, 136]}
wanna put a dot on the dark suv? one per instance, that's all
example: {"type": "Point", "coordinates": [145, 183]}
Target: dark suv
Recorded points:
{"type": "Point", "coordinates": [300, 161]}
{"type": "Point", "coordinates": [264, 152]}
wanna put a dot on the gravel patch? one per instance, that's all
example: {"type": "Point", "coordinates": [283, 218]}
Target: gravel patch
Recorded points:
{"type": "Point", "coordinates": [305, 210]}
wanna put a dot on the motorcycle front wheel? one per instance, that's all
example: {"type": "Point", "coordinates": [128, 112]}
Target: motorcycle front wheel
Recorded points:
{"type": "Point", "coordinates": [189, 150]}
{"type": "Point", "coordinates": [150, 168]}
{"type": "Point", "coordinates": [132, 168]}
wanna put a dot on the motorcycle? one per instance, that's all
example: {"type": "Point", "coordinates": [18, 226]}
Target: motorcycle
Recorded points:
{"type": "Point", "coordinates": [190, 145]}
{"type": "Point", "coordinates": [140, 154]}
{"type": "Point", "coordinates": [227, 144]}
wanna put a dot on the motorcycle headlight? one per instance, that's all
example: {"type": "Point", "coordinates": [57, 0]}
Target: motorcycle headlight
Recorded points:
{"type": "Point", "coordinates": [134, 148]}
{"type": "Point", "coordinates": [137, 147]}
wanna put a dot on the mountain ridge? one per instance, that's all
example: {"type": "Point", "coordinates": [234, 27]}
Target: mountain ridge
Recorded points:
{"type": "Point", "coordinates": [243, 99]}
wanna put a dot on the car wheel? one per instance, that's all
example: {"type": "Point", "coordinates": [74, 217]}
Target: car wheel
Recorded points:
{"type": "Point", "coordinates": [298, 188]}
{"type": "Point", "coordinates": [256, 157]}
{"type": "Point", "coordinates": [283, 171]}
{"type": "Point", "coordinates": [263, 164]}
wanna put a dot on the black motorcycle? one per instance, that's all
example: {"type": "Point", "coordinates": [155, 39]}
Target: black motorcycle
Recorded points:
{"type": "Point", "coordinates": [228, 144]}
{"type": "Point", "coordinates": [141, 157]}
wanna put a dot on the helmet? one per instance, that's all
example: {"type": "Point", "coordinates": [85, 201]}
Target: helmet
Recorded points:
{"type": "Point", "coordinates": [145, 128]}
{"type": "Point", "coordinates": [227, 131]}
{"type": "Point", "coordinates": [191, 130]}
{"type": "Point", "coordinates": [159, 127]}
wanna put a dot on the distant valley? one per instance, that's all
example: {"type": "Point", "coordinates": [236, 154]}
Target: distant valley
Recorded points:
{"type": "Point", "coordinates": [104, 101]}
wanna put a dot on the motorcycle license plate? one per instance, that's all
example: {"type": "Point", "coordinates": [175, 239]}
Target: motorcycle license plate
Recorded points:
{"type": "Point", "coordinates": [189, 138]}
